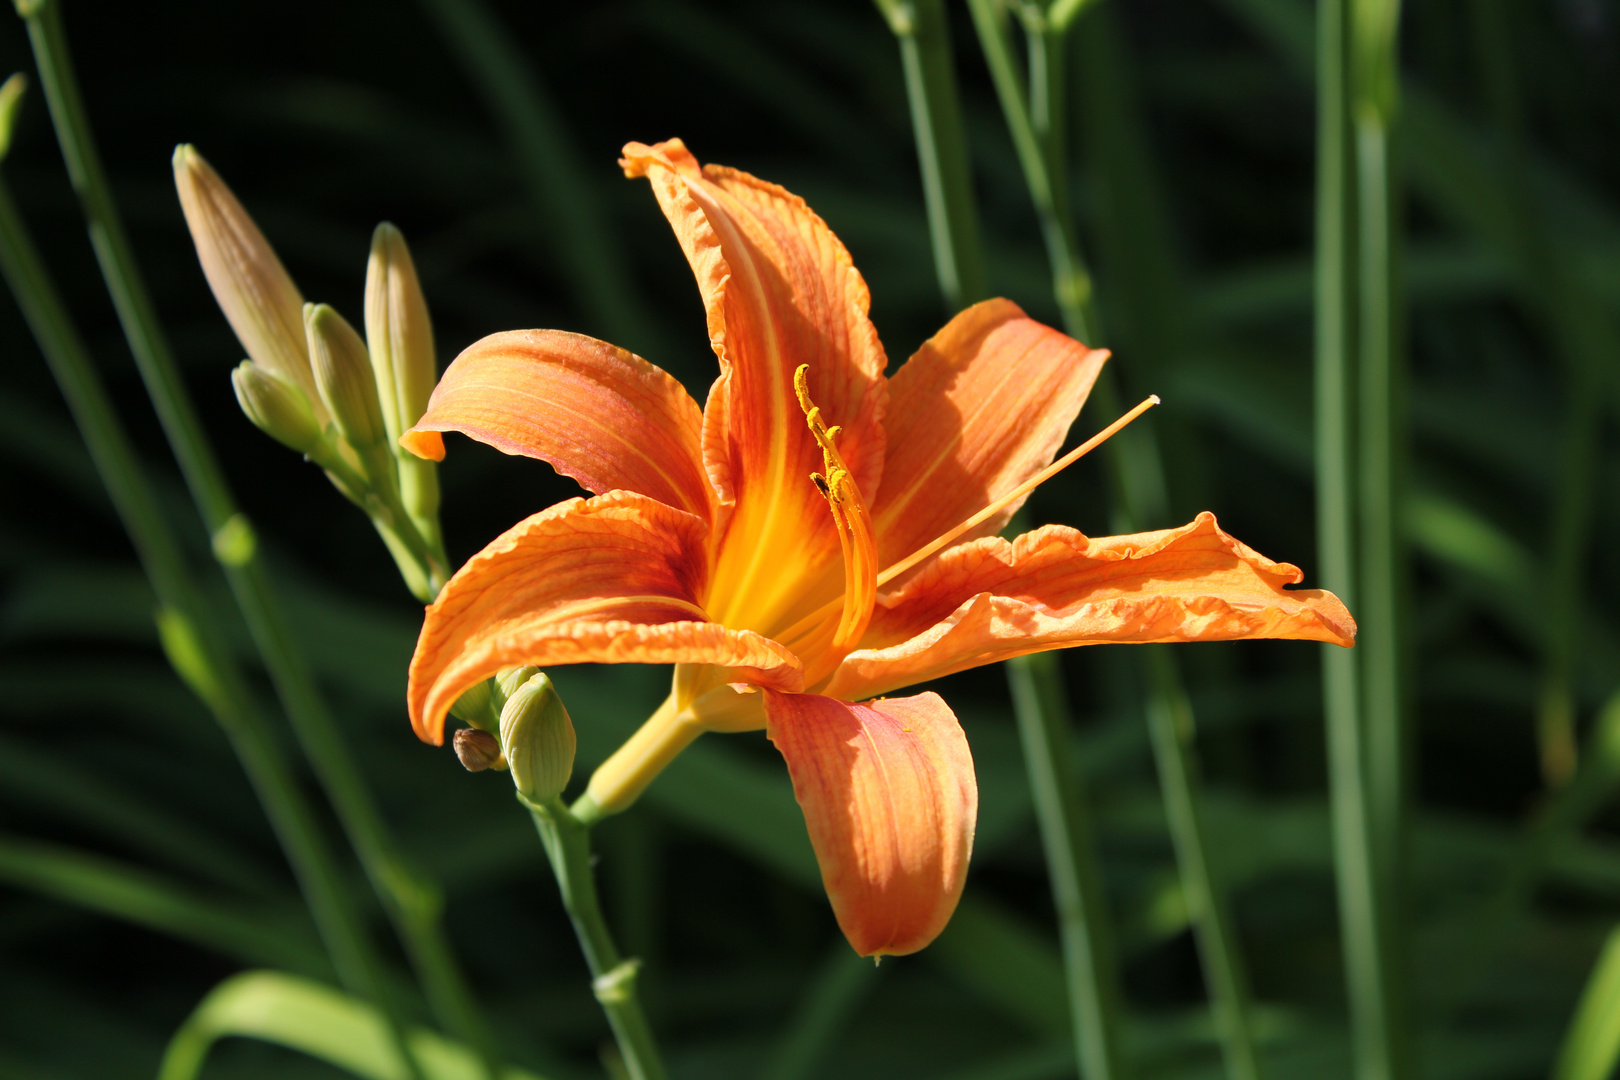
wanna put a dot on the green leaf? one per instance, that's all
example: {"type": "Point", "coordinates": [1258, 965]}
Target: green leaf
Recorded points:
{"type": "Point", "coordinates": [147, 899]}
{"type": "Point", "coordinates": [1592, 1048]}
{"type": "Point", "coordinates": [317, 1020]}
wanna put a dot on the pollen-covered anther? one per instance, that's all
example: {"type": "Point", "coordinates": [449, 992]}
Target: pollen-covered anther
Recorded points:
{"type": "Point", "coordinates": [854, 525]}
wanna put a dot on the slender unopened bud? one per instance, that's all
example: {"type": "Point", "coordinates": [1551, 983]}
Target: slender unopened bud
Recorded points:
{"type": "Point", "coordinates": [276, 407]}
{"type": "Point", "coordinates": [252, 287]}
{"type": "Point", "coordinates": [538, 737]}
{"type": "Point", "coordinates": [343, 376]}
{"type": "Point", "coordinates": [478, 750]}
{"type": "Point", "coordinates": [398, 332]}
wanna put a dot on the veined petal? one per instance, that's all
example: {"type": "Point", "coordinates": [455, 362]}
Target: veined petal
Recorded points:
{"type": "Point", "coordinates": [780, 291]}
{"type": "Point", "coordinates": [595, 412]}
{"type": "Point", "coordinates": [979, 409]}
{"type": "Point", "coordinates": [1052, 588]}
{"type": "Point", "coordinates": [609, 580]}
{"type": "Point", "coordinates": [889, 795]}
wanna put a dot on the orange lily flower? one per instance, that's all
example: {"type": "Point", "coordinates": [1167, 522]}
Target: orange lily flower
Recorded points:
{"type": "Point", "coordinates": [817, 535]}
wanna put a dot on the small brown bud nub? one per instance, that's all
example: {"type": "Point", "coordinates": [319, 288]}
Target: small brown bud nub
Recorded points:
{"type": "Point", "coordinates": [478, 750]}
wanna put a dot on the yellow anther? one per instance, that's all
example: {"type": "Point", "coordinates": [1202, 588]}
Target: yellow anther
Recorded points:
{"type": "Point", "coordinates": [835, 483]}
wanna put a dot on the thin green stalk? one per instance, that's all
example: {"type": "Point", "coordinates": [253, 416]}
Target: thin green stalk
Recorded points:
{"type": "Point", "coordinates": [1356, 440]}
{"type": "Point", "coordinates": [1140, 496]}
{"type": "Point", "coordinates": [1090, 972]}
{"type": "Point", "coordinates": [1585, 338]}
{"type": "Point", "coordinates": [204, 664]}
{"type": "Point", "coordinates": [413, 904]}
{"type": "Point", "coordinates": [936, 120]}
{"type": "Point", "coordinates": [1090, 969]}
{"type": "Point", "coordinates": [1071, 283]}
{"type": "Point", "coordinates": [1175, 752]}
{"type": "Point", "coordinates": [613, 978]}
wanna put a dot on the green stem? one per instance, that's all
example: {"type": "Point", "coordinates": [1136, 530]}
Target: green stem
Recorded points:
{"type": "Point", "coordinates": [936, 120]}
{"type": "Point", "coordinates": [1088, 957]}
{"type": "Point", "coordinates": [1356, 455]}
{"type": "Point", "coordinates": [412, 904]}
{"type": "Point", "coordinates": [206, 667]}
{"type": "Point", "coordinates": [613, 978]}
{"type": "Point", "coordinates": [1171, 724]}
{"type": "Point", "coordinates": [1038, 133]}
{"type": "Point", "coordinates": [1071, 282]}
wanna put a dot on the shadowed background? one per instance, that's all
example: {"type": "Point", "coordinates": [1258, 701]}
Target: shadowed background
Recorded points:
{"type": "Point", "coordinates": [136, 868]}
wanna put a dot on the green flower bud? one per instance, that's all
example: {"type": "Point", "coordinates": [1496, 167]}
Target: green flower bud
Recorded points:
{"type": "Point", "coordinates": [509, 680]}
{"type": "Point", "coordinates": [10, 97]}
{"type": "Point", "coordinates": [478, 750]}
{"type": "Point", "coordinates": [276, 407]}
{"type": "Point", "coordinates": [343, 376]}
{"type": "Point", "coordinates": [478, 707]}
{"type": "Point", "coordinates": [398, 332]}
{"type": "Point", "coordinates": [253, 289]}
{"type": "Point", "coordinates": [538, 737]}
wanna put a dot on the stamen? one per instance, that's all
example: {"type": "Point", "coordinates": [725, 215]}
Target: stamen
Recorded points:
{"type": "Point", "coordinates": [805, 624]}
{"type": "Point", "coordinates": [854, 525]}
{"type": "Point", "coordinates": [1018, 492]}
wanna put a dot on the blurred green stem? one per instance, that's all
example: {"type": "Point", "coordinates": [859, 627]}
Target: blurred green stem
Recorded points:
{"type": "Point", "coordinates": [613, 978]}
{"type": "Point", "coordinates": [1071, 860]}
{"type": "Point", "coordinates": [413, 904]}
{"type": "Point", "coordinates": [1037, 129]}
{"type": "Point", "coordinates": [1584, 335]}
{"type": "Point", "coordinates": [923, 31]}
{"type": "Point", "coordinates": [203, 663]}
{"type": "Point", "coordinates": [1355, 361]}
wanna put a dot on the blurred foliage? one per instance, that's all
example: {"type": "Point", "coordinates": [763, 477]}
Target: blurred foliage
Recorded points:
{"type": "Point", "coordinates": [136, 869]}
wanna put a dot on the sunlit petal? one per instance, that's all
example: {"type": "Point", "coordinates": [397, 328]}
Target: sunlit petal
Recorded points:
{"type": "Point", "coordinates": [980, 408]}
{"type": "Point", "coordinates": [1053, 588]}
{"type": "Point", "coordinates": [594, 412]}
{"type": "Point", "coordinates": [889, 795]}
{"type": "Point", "coordinates": [614, 579]}
{"type": "Point", "coordinates": [780, 291]}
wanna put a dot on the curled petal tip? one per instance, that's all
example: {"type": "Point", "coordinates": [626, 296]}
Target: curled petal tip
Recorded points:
{"type": "Point", "coordinates": [424, 444]}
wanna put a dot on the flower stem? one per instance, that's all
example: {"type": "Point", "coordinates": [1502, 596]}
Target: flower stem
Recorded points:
{"type": "Point", "coordinates": [1355, 336]}
{"type": "Point", "coordinates": [205, 666]}
{"type": "Point", "coordinates": [412, 903]}
{"type": "Point", "coordinates": [1071, 859]}
{"type": "Point", "coordinates": [1038, 133]}
{"type": "Point", "coordinates": [923, 31]}
{"type": "Point", "coordinates": [613, 978]}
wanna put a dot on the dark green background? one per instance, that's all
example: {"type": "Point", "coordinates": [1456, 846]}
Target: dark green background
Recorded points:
{"type": "Point", "coordinates": [1193, 183]}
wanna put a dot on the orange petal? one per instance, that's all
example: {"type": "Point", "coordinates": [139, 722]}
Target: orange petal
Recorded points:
{"type": "Point", "coordinates": [609, 580]}
{"type": "Point", "coordinates": [982, 406]}
{"type": "Point", "coordinates": [889, 795]}
{"type": "Point", "coordinates": [596, 413]}
{"type": "Point", "coordinates": [1052, 588]}
{"type": "Point", "coordinates": [780, 291]}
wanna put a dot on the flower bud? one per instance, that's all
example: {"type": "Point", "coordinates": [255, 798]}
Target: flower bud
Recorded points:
{"type": "Point", "coordinates": [478, 750]}
{"type": "Point", "coordinates": [538, 737]}
{"type": "Point", "coordinates": [253, 289]}
{"type": "Point", "coordinates": [276, 407]}
{"type": "Point", "coordinates": [343, 376]}
{"type": "Point", "coordinates": [477, 706]}
{"type": "Point", "coordinates": [398, 332]}
{"type": "Point", "coordinates": [509, 681]}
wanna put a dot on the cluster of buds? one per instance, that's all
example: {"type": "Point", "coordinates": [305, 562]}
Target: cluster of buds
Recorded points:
{"type": "Point", "coordinates": [313, 384]}
{"type": "Point", "coordinates": [518, 723]}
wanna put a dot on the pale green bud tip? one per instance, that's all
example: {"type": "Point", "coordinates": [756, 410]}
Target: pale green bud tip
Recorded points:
{"type": "Point", "coordinates": [253, 289]}
{"type": "Point", "coordinates": [538, 737]}
{"type": "Point", "coordinates": [343, 375]}
{"type": "Point", "coordinates": [10, 98]}
{"type": "Point", "coordinates": [399, 331]}
{"type": "Point", "coordinates": [477, 707]}
{"type": "Point", "coordinates": [276, 407]}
